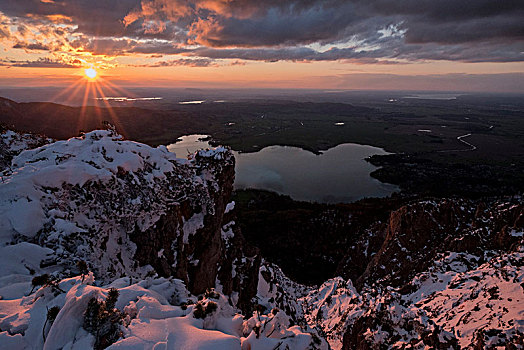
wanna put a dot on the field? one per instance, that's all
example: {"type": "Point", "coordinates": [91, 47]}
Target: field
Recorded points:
{"type": "Point", "coordinates": [468, 145]}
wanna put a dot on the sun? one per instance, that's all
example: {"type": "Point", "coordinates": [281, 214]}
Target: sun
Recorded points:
{"type": "Point", "coordinates": [90, 73]}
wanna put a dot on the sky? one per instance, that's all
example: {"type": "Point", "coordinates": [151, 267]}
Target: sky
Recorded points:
{"type": "Point", "coordinates": [448, 45]}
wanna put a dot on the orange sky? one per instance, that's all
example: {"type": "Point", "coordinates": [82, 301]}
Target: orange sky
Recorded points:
{"type": "Point", "coordinates": [288, 44]}
{"type": "Point", "coordinates": [316, 75]}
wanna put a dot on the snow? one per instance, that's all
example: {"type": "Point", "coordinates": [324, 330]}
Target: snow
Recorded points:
{"type": "Point", "coordinates": [215, 153]}
{"type": "Point", "coordinates": [227, 231]}
{"type": "Point", "coordinates": [17, 142]}
{"type": "Point", "coordinates": [455, 294]}
{"type": "Point", "coordinates": [174, 333]}
{"type": "Point", "coordinates": [97, 156]}
{"type": "Point", "coordinates": [489, 296]}
{"type": "Point", "coordinates": [83, 197]}
{"type": "Point", "coordinates": [46, 197]}
{"type": "Point", "coordinates": [154, 322]}
{"type": "Point", "coordinates": [230, 206]}
{"type": "Point", "coordinates": [332, 302]}
{"type": "Point", "coordinates": [72, 196]}
{"type": "Point", "coordinates": [192, 225]}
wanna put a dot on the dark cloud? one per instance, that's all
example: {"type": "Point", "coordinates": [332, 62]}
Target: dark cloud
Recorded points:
{"type": "Point", "coordinates": [500, 28]}
{"type": "Point", "coordinates": [32, 46]}
{"type": "Point", "coordinates": [444, 10]}
{"type": "Point", "coordinates": [156, 47]}
{"type": "Point", "coordinates": [118, 46]}
{"type": "Point", "coordinates": [389, 54]}
{"type": "Point", "coordinates": [315, 24]}
{"type": "Point", "coordinates": [107, 46]}
{"type": "Point", "coordinates": [94, 17]}
{"type": "Point", "coordinates": [40, 63]}
{"type": "Point", "coordinates": [188, 62]}
{"type": "Point", "coordinates": [362, 30]}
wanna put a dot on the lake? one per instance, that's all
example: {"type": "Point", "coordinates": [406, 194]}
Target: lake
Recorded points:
{"type": "Point", "coordinates": [339, 174]}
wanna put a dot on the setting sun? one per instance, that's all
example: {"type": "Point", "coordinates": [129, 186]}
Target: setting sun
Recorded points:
{"type": "Point", "coordinates": [90, 73]}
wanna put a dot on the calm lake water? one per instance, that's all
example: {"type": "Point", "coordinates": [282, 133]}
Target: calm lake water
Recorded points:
{"type": "Point", "coordinates": [339, 174]}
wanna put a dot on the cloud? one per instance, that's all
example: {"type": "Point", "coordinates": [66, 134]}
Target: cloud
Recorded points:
{"type": "Point", "coordinates": [4, 32]}
{"type": "Point", "coordinates": [188, 62]}
{"type": "Point", "coordinates": [40, 63]}
{"type": "Point", "coordinates": [32, 46]}
{"type": "Point", "coordinates": [96, 17]}
{"type": "Point", "coordinates": [372, 31]}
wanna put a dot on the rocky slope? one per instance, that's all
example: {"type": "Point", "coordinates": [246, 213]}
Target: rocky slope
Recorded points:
{"type": "Point", "coordinates": [123, 207]}
{"type": "Point", "coordinates": [457, 303]}
{"type": "Point", "coordinates": [416, 233]}
{"type": "Point", "coordinates": [440, 274]}
{"type": "Point", "coordinates": [448, 274]}
{"type": "Point", "coordinates": [161, 231]}
{"type": "Point", "coordinates": [128, 213]}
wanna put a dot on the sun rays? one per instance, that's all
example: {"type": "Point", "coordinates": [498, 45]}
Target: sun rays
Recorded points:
{"type": "Point", "coordinates": [94, 89]}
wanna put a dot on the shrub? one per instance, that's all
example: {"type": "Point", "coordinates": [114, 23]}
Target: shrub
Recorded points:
{"type": "Point", "coordinates": [259, 308]}
{"type": "Point", "coordinates": [112, 297]}
{"type": "Point", "coordinates": [201, 311]}
{"type": "Point", "coordinates": [55, 287]}
{"type": "Point", "coordinates": [39, 281]}
{"type": "Point", "coordinates": [211, 294]}
{"type": "Point", "coordinates": [46, 281]}
{"type": "Point", "coordinates": [82, 268]}
{"type": "Point", "coordinates": [103, 321]}
{"type": "Point", "coordinates": [51, 316]}
{"type": "Point", "coordinates": [211, 307]}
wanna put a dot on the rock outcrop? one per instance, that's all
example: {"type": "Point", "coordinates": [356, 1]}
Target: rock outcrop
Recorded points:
{"type": "Point", "coordinates": [149, 225]}
{"type": "Point", "coordinates": [127, 209]}
{"type": "Point", "coordinates": [416, 233]}
{"type": "Point", "coordinates": [447, 275]}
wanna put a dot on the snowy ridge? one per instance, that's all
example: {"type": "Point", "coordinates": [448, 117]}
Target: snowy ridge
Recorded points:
{"type": "Point", "coordinates": [85, 196]}
{"type": "Point", "coordinates": [97, 157]}
{"type": "Point", "coordinates": [157, 313]}
{"type": "Point", "coordinates": [87, 199]}
{"type": "Point", "coordinates": [17, 142]}
{"type": "Point", "coordinates": [12, 143]}
{"type": "Point", "coordinates": [457, 303]}
{"type": "Point", "coordinates": [484, 304]}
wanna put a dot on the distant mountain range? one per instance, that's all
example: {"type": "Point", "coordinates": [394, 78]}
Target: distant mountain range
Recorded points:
{"type": "Point", "coordinates": [62, 122]}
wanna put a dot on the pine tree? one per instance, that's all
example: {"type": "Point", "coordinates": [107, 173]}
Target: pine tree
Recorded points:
{"type": "Point", "coordinates": [103, 321]}
{"type": "Point", "coordinates": [51, 316]}
{"type": "Point", "coordinates": [112, 297]}
{"type": "Point", "coordinates": [39, 281]}
{"type": "Point", "coordinates": [82, 267]}
{"type": "Point", "coordinates": [92, 316]}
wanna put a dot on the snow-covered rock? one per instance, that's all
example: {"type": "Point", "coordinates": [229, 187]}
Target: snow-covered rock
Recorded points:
{"type": "Point", "coordinates": [447, 274]}
{"type": "Point", "coordinates": [155, 313]}
{"type": "Point", "coordinates": [131, 212]}
{"type": "Point", "coordinates": [116, 204]}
